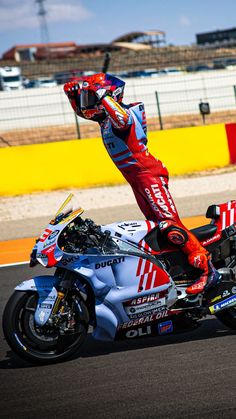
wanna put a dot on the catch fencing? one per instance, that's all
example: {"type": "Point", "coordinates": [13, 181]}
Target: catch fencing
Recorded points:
{"type": "Point", "coordinates": [44, 114]}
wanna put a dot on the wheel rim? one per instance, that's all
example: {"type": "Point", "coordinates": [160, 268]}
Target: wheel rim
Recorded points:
{"type": "Point", "coordinates": [43, 342]}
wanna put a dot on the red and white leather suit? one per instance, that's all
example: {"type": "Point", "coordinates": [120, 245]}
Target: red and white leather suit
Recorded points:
{"type": "Point", "coordinates": [123, 131]}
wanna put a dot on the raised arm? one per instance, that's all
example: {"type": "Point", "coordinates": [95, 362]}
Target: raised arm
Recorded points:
{"type": "Point", "coordinates": [100, 97]}
{"type": "Point", "coordinates": [119, 117]}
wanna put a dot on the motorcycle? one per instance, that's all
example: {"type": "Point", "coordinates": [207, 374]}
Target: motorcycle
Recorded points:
{"type": "Point", "coordinates": [123, 280]}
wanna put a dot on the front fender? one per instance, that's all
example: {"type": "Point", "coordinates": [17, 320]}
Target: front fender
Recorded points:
{"type": "Point", "coordinates": [47, 292]}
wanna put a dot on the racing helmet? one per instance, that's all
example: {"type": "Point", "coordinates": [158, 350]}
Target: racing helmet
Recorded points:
{"type": "Point", "coordinates": [89, 102]}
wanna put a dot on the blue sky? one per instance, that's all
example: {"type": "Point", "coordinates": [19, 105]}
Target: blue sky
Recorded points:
{"type": "Point", "coordinates": [95, 21]}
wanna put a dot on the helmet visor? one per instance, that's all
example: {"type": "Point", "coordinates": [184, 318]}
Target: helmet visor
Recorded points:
{"type": "Point", "coordinates": [88, 99]}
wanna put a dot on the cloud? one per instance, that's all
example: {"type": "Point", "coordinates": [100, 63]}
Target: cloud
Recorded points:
{"type": "Point", "coordinates": [14, 17]}
{"type": "Point", "coordinates": [70, 12]}
{"type": "Point", "coordinates": [184, 21]}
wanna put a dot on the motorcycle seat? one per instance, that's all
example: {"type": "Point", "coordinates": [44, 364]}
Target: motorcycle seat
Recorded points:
{"type": "Point", "coordinates": [204, 232]}
{"type": "Point", "coordinates": [155, 239]}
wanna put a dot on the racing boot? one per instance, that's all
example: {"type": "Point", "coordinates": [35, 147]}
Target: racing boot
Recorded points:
{"type": "Point", "coordinates": [198, 256]}
{"type": "Point", "coordinates": [209, 277]}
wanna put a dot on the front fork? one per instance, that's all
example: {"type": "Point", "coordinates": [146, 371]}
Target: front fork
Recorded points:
{"type": "Point", "coordinates": [60, 296]}
{"type": "Point", "coordinates": [65, 283]}
{"type": "Point", "coordinates": [51, 291]}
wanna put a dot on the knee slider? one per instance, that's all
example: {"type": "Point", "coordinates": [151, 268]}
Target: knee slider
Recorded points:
{"type": "Point", "coordinates": [175, 234]}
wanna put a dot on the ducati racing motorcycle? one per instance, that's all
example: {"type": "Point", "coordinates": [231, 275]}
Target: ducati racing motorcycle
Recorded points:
{"type": "Point", "coordinates": [123, 280]}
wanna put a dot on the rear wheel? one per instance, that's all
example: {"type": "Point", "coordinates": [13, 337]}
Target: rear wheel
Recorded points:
{"type": "Point", "coordinates": [228, 317]}
{"type": "Point", "coordinates": [48, 344]}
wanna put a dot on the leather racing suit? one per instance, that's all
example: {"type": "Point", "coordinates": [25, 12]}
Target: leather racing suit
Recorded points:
{"type": "Point", "coordinates": [124, 134]}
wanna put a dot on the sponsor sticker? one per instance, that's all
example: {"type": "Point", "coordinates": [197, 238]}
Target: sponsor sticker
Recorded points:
{"type": "Point", "coordinates": [53, 234]}
{"type": "Point", "coordinates": [151, 306]}
{"type": "Point", "coordinates": [49, 249]}
{"type": "Point", "coordinates": [165, 327]}
{"type": "Point", "coordinates": [225, 293]}
{"type": "Point", "coordinates": [141, 331]}
{"type": "Point", "coordinates": [211, 240]}
{"type": "Point", "coordinates": [157, 200]}
{"type": "Point", "coordinates": [45, 235]}
{"type": "Point", "coordinates": [45, 306]}
{"type": "Point", "coordinates": [146, 299]}
{"type": "Point", "coordinates": [125, 226]}
{"type": "Point", "coordinates": [231, 301]}
{"type": "Point", "coordinates": [233, 290]}
{"type": "Point", "coordinates": [48, 243]}
{"type": "Point", "coordinates": [42, 316]}
{"type": "Point", "coordinates": [68, 260]}
{"type": "Point", "coordinates": [147, 313]}
{"type": "Point", "coordinates": [40, 256]}
{"type": "Point", "coordinates": [143, 320]}
{"type": "Point", "coordinates": [218, 297]}
{"type": "Point", "coordinates": [109, 262]}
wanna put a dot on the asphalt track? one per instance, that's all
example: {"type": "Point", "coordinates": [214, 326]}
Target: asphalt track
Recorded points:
{"type": "Point", "coordinates": [183, 376]}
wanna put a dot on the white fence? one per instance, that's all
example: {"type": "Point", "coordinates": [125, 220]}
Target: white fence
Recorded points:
{"type": "Point", "coordinates": [178, 94]}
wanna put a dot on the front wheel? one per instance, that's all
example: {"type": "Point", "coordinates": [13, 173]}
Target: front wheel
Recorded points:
{"type": "Point", "coordinates": [51, 343]}
{"type": "Point", "coordinates": [228, 317]}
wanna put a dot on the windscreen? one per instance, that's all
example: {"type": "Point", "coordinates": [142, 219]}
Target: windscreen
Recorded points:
{"type": "Point", "coordinates": [115, 245]}
{"type": "Point", "coordinates": [65, 210]}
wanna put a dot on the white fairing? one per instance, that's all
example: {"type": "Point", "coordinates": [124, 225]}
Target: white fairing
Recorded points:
{"type": "Point", "coordinates": [134, 230]}
{"type": "Point", "coordinates": [119, 276]}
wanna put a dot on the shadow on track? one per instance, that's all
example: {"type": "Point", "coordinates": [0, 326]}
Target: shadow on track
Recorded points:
{"type": "Point", "coordinates": [208, 329]}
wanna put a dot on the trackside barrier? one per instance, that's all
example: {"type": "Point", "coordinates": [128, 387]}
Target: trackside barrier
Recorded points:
{"type": "Point", "coordinates": [85, 163]}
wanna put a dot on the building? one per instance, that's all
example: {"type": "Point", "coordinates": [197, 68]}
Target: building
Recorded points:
{"type": "Point", "coordinates": [227, 36]}
{"type": "Point", "coordinates": [37, 52]}
{"type": "Point", "coordinates": [135, 41]}
{"type": "Point", "coordinates": [147, 39]}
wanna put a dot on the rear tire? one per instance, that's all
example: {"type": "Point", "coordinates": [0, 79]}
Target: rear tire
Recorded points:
{"type": "Point", "coordinates": [228, 317]}
{"type": "Point", "coordinates": [40, 345]}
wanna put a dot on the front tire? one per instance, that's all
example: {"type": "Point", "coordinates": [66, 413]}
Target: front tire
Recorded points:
{"type": "Point", "coordinates": [41, 345]}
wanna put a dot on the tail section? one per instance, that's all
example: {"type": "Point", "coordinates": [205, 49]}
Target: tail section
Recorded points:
{"type": "Point", "coordinates": [224, 215]}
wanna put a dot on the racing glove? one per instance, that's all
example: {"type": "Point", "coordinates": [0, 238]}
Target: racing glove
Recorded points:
{"type": "Point", "coordinates": [72, 89]}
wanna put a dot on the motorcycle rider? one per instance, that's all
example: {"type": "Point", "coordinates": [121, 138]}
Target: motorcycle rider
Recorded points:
{"type": "Point", "coordinates": [124, 134]}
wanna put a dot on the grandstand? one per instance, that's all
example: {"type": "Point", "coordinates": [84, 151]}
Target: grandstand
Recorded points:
{"type": "Point", "coordinates": [126, 60]}
{"type": "Point", "coordinates": [132, 51]}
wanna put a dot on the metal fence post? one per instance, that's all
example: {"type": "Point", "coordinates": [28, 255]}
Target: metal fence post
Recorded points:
{"type": "Point", "coordinates": [159, 110]}
{"type": "Point", "coordinates": [77, 127]}
{"type": "Point", "coordinates": [235, 92]}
